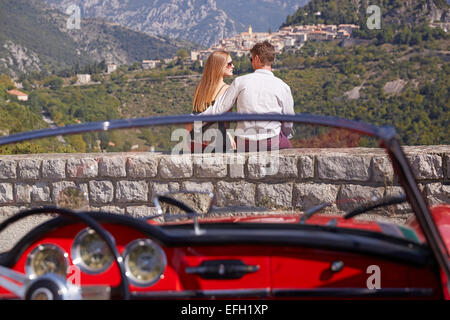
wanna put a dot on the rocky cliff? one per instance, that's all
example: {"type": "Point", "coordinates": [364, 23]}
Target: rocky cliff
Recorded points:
{"type": "Point", "coordinates": [201, 21]}
{"type": "Point", "coordinates": [34, 36]}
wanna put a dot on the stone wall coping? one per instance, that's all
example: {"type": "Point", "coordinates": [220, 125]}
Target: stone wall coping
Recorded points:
{"type": "Point", "coordinates": [409, 150]}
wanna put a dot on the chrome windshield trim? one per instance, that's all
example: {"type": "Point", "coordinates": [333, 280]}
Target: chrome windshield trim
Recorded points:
{"type": "Point", "coordinates": [365, 128]}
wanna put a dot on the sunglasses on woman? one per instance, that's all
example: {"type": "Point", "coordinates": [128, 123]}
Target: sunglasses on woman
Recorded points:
{"type": "Point", "coordinates": [230, 64]}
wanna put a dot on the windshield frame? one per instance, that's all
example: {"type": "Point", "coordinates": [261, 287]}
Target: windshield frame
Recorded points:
{"type": "Point", "coordinates": [386, 134]}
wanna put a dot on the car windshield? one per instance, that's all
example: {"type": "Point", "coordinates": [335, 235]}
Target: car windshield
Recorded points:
{"type": "Point", "coordinates": [308, 174]}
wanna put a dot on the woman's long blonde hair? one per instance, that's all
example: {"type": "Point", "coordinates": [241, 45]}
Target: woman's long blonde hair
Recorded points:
{"type": "Point", "coordinates": [211, 78]}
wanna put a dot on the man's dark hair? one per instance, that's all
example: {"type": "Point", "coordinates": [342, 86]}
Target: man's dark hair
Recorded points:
{"type": "Point", "coordinates": [265, 51]}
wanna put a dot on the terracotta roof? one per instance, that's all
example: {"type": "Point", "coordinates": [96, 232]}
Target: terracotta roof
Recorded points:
{"type": "Point", "coordinates": [17, 93]}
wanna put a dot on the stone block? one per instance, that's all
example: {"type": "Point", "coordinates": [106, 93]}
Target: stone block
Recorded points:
{"type": "Point", "coordinates": [142, 167]}
{"type": "Point", "coordinates": [437, 193]}
{"type": "Point", "coordinates": [343, 167]}
{"type": "Point", "coordinates": [174, 166]}
{"type": "Point", "coordinates": [8, 169]}
{"type": "Point", "coordinates": [6, 193]}
{"type": "Point", "coordinates": [308, 195]}
{"type": "Point", "coordinates": [82, 168]}
{"type": "Point", "coordinates": [211, 167]}
{"type": "Point", "coordinates": [40, 192]}
{"type": "Point", "coordinates": [60, 186]}
{"type": "Point", "coordinates": [131, 191]}
{"type": "Point", "coordinates": [353, 196]}
{"type": "Point", "coordinates": [266, 165]}
{"type": "Point", "coordinates": [426, 166]}
{"type": "Point", "coordinates": [305, 167]}
{"type": "Point", "coordinates": [197, 186]}
{"type": "Point", "coordinates": [160, 188]}
{"type": "Point", "coordinates": [54, 169]}
{"type": "Point", "coordinates": [101, 191]}
{"type": "Point", "coordinates": [274, 196]}
{"type": "Point", "coordinates": [29, 169]}
{"type": "Point", "coordinates": [235, 194]}
{"type": "Point", "coordinates": [392, 191]}
{"type": "Point", "coordinates": [236, 170]}
{"type": "Point", "coordinates": [287, 167]}
{"type": "Point", "coordinates": [113, 167]}
{"type": "Point", "coordinates": [382, 170]}
{"type": "Point", "coordinates": [23, 193]}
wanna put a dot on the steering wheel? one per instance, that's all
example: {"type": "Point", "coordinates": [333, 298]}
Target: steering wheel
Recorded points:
{"type": "Point", "coordinates": [50, 282]}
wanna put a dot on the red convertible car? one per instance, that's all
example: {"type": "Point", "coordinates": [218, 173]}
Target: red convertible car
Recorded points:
{"type": "Point", "coordinates": [341, 214]}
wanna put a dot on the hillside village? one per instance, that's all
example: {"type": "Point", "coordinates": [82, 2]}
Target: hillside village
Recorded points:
{"type": "Point", "coordinates": [289, 38]}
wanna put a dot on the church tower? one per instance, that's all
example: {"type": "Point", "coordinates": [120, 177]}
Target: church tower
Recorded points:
{"type": "Point", "coordinates": [250, 30]}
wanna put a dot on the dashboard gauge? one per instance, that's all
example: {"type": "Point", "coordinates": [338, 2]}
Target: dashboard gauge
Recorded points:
{"type": "Point", "coordinates": [46, 258]}
{"type": "Point", "coordinates": [145, 262]}
{"type": "Point", "coordinates": [90, 252]}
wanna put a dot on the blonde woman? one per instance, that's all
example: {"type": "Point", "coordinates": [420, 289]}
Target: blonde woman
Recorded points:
{"type": "Point", "coordinates": [219, 65]}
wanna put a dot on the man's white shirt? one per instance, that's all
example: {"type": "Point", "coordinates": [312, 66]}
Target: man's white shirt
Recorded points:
{"type": "Point", "coordinates": [259, 92]}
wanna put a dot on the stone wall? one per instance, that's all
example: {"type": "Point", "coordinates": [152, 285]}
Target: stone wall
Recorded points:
{"type": "Point", "coordinates": [127, 182]}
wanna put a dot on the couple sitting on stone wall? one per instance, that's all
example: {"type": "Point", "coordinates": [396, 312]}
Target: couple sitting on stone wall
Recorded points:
{"type": "Point", "coordinates": [259, 92]}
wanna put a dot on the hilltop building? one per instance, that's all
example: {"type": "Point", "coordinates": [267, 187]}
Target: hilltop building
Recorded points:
{"type": "Point", "coordinates": [111, 68]}
{"type": "Point", "coordinates": [21, 96]}
{"type": "Point", "coordinates": [150, 64]}
{"type": "Point", "coordinates": [83, 78]}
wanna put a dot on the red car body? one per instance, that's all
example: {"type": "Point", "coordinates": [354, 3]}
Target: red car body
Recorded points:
{"type": "Point", "coordinates": [284, 272]}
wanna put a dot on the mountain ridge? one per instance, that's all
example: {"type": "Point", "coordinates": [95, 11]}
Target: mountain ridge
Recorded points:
{"type": "Point", "coordinates": [25, 48]}
{"type": "Point", "coordinates": [201, 21]}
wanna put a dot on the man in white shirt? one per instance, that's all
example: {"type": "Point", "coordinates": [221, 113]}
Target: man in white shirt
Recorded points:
{"type": "Point", "coordinates": [258, 92]}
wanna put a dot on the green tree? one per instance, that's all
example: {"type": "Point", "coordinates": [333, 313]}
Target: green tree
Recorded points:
{"type": "Point", "coordinates": [54, 82]}
{"type": "Point", "coordinates": [182, 54]}
{"type": "Point", "coordinates": [6, 82]}
{"type": "Point", "coordinates": [77, 143]}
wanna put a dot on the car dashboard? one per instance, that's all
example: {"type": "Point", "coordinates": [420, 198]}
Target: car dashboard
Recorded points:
{"type": "Point", "coordinates": [226, 260]}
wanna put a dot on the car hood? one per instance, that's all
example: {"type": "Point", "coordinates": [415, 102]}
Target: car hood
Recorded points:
{"type": "Point", "coordinates": [401, 231]}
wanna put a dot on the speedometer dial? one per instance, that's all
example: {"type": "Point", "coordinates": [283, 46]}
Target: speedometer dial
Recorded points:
{"type": "Point", "coordinates": [90, 252]}
{"type": "Point", "coordinates": [145, 262]}
{"type": "Point", "coordinates": [46, 258]}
